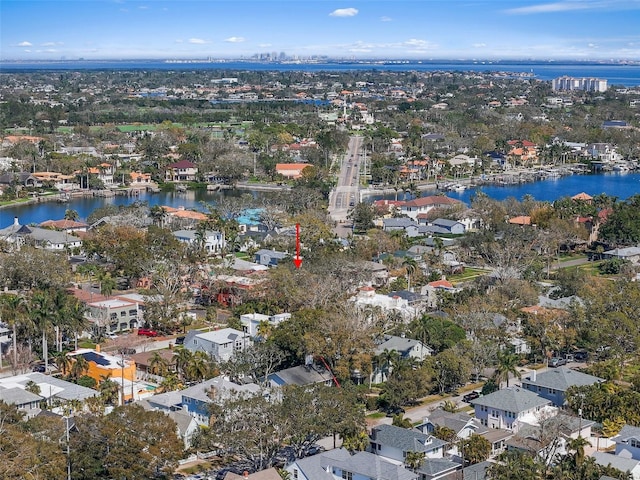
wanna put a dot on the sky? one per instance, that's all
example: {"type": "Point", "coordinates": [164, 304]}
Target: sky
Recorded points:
{"type": "Point", "coordinates": [370, 29]}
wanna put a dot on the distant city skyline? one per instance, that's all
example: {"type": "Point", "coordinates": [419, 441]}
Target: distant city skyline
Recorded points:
{"type": "Point", "coordinates": [373, 29]}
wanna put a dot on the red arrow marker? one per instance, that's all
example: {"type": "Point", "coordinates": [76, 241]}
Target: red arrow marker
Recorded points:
{"type": "Point", "coordinates": [297, 261]}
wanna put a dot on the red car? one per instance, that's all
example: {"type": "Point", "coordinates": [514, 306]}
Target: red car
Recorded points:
{"type": "Point", "coordinates": [147, 332]}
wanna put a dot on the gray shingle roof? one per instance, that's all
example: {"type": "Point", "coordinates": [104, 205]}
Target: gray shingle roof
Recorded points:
{"type": "Point", "coordinates": [371, 466]}
{"type": "Point", "coordinates": [562, 378]}
{"type": "Point", "coordinates": [18, 396]}
{"type": "Point", "coordinates": [405, 439]}
{"type": "Point", "coordinates": [512, 399]}
{"type": "Point", "coordinates": [626, 433]}
{"type": "Point", "coordinates": [398, 344]}
{"type": "Point", "coordinates": [433, 467]}
{"type": "Point", "coordinates": [312, 467]}
{"type": "Point", "coordinates": [621, 463]}
{"type": "Point", "coordinates": [302, 375]}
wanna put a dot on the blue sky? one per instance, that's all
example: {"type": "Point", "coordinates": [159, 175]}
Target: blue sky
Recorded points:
{"type": "Point", "coordinates": [408, 29]}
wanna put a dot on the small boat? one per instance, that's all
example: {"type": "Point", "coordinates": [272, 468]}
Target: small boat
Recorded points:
{"type": "Point", "coordinates": [181, 188]}
{"type": "Point", "coordinates": [456, 187]}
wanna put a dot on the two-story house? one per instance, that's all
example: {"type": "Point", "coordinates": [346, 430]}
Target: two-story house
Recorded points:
{"type": "Point", "coordinates": [395, 442]}
{"type": "Point", "coordinates": [420, 205]}
{"type": "Point", "coordinates": [339, 464]}
{"type": "Point", "coordinates": [508, 408]}
{"type": "Point", "coordinates": [553, 383]}
{"type": "Point", "coordinates": [212, 241]}
{"type": "Point", "coordinates": [628, 442]}
{"type": "Point", "coordinates": [197, 399]}
{"type": "Point", "coordinates": [219, 344]}
{"type": "Point", "coordinates": [251, 321]}
{"type": "Point", "coordinates": [407, 348]}
{"type": "Point", "coordinates": [182, 171]}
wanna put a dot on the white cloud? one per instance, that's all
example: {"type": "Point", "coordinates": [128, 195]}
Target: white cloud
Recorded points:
{"type": "Point", "coordinates": [25, 44]}
{"type": "Point", "coordinates": [592, 45]}
{"type": "Point", "coordinates": [264, 45]}
{"type": "Point", "coordinates": [344, 12]}
{"type": "Point", "coordinates": [570, 5]}
{"type": "Point", "coordinates": [386, 19]}
{"type": "Point", "coordinates": [198, 41]}
{"type": "Point", "coordinates": [51, 44]}
{"type": "Point", "coordinates": [419, 44]}
{"type": "Point", "coordinates": [235, 40]}
{"type": "Point", "coordinates": [479, 45]}
{"type": "Point", "coordinates": [143, 7]}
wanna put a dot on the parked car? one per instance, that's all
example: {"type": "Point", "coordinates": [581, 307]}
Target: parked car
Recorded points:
{"type": "Point", "coordinates": [557, 362]}
{"type": "Point", "coordinates": [581, 356]}
{"type": "Point", "coordinates": [147, 332]}
{"type": "Point", "coordinates": [470, 396]}
{"type": "Point", "coordinates": [180, 340]}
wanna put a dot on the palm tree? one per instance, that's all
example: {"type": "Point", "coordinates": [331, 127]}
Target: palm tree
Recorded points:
{"type": "Point", "coordinates": [63, 362]}
{"type": "Point", "coordinates": [449, 406]}
{"type": "Point", "coordinates": [183, 359]}
{"type": "Point", "coordinates": [158, 365]}
{"type": "Point", "coordinates": [507, 366]}
{"type": "Point", "coordinates": [158, 214]}
{"type": "Point", "coordinates": [70, 214]}
{"type": "Point", "coordinates": [410, 266]}
{"type": "Point", "coordinates": [387, 359]}
{"type": "Point", "coordinates": [14, 306]}
{"type": "Point", "coordinates": [413, 460]}
{"type": "Point", "coordinates": [577, 445]}
{"type": "Point", "coordinates": [41, 312]}
{"type": "Point", "coordinates": [79, 367]}
{"type": "Point", "coordinates": [199, 367]}
{"type": "Point", "coordinates": [264, 329]}
{"type": "Point", "coordinates": [109, 389]}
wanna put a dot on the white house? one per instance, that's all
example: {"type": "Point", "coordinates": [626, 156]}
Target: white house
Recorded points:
{"type": "Point", "coordinates": [420, 205]}
{"type": "Point", "coordinates": [623, 464]}
{"type": "Point", "coordinates": [251, 321]}
{"type": "Point", "coordinates": [219, 344]}
{"type": "Point", "coordinates": [212, 241]}
{"type": "Point", "coordinates": [508, 408]}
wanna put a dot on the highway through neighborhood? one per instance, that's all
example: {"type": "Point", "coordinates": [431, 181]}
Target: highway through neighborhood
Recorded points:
{"type": "Point", "coordinates": [346, 193]}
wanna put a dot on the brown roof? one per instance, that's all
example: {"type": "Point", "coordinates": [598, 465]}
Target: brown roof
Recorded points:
{"type": "Point", "coordinates": [268, 474]}
{"type": "Point", "coordinates": [521, 220]}
{"type": "Point", "coordinates": [582, 196]}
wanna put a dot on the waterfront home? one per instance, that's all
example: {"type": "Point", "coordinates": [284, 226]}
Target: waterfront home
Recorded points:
{"type": "Point", "coordinates": [291, 170]}
{"type": "Point", "coordinates": [219, 344]}
{"type": "Point", "coordinates": [23, 179]}
{"type": "Point", "coordinates": [18, 235]}
{"type": "Point", "coordinates": [182, 171]}
{"type": "Point", "coordinates": [57, 180]}
{"type": "Point", "coordinates": [64, 225]}
{"type": "Point", "coordinates": [508, 408]}
{"type": "Point", "coordinates": [553, 384]}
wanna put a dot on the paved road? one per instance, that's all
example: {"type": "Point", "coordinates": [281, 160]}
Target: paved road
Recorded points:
{"type": "Point", "coordinates": [346, 193]}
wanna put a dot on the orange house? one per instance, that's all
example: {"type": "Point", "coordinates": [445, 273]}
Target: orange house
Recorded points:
{"type": "Point", "coordinates": [103, 365]}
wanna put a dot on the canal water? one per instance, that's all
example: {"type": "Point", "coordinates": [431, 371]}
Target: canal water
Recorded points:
{"type": "Point", "coordinates": [620, 185]}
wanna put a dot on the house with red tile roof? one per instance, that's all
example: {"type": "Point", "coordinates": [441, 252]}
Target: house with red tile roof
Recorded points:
{"type": "Point", "coordinates": [291, 170]}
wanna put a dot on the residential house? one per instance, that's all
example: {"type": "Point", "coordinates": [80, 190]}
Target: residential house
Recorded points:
{"type": "Point", "coordinates": [270, 258]}
{"type": "Point", "coordinates": [367, 296]}
{"type": "Point", "coordinates": [19, 235]}
{"type": "Point", "coordinates": [548, 436]}
{"type": "Point", "coordinates": [104, 172]}
{"type": "Point", "coordinates": [103, 365]}
{"type": "Point", "coordinates": [197, 399]}
{"type": "Point", "coordinates": [310, 374]}
{"type": "Point", "coordinates": [291, 170]}
{"type": "Point", "coordinates": [420, 205]}
{"type": "Point", "coordinates": [451, 226]}
{"type": "Point", "coordinates": [212, 241]}
{"type": "Point", "coordinates": [219, 344]}
{"type": "Point", "coordinates": [339, 464]}
{"type": "Point", "coordinates": [64, 225]}
{"type": "Point", "coordinates": [57, 180]}
{"type": "Point", "coordinates": [22, 179]}
{"type": "Point", "coordinates": [630, 254]}
{"type": "Point", "coordinates": [251, 321]}
{"type": "Point", "coordinates": [508, 408]}
{"type": "Point", "coordinates": [460, 422]}
{"type": "Point", "coordinates": [406, 348]}
{"type": "Point", "coordinates": [623, 464]}
{"type": "Point", "coordinates": [399, 223]}
{"type": "Point", "coordinates": [111, 314]}
{"type": "Point", "coordinates": [437, 468]}
{"type": "Point", "coordinates": [395, 442]}
{"type": "Point", "coordinates": [554, 383]}
{"type": "Point", "coordinates": [182, 171]}
{"type": "Point", "coordinates": [628, 442]}
{"type": "Point", "coordinates": [377, 274]}
{"type": "Point", "coordinates": [53, 391]}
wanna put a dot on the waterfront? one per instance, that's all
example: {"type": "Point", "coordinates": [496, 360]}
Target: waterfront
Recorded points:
{"type": "Point", "coordinates": [616, 74]}
{"type": "Point", "coordinates": [620, 185]}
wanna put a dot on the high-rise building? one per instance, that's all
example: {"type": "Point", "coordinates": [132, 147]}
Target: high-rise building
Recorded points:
{"type": "Point", "coordinates": [567, 83]}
